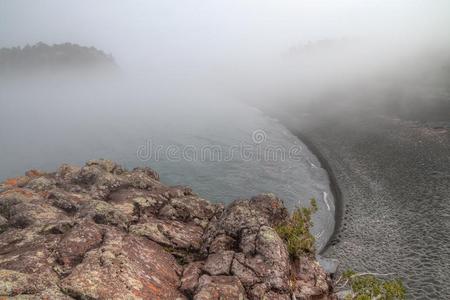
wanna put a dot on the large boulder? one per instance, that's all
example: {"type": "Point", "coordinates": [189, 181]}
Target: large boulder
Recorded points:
{"type": "Point", "coordinates": [219, 263]}
{"type": "Point", "coordinates": [220, 288]}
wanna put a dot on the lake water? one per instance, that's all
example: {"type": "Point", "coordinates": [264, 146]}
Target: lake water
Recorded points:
{"type": "Point", "coordinates": [222, 148]}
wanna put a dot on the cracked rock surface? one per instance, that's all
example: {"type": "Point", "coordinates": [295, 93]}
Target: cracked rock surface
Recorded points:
{"type": "Point", "coordinates": [102, 232]}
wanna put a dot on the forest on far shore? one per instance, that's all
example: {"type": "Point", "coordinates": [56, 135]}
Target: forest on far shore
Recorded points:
{"type": "Point", "coordinates": [49, 57]}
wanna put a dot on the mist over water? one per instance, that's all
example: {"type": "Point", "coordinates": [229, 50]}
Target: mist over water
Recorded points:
{"type": "Point", "coordinates": [224, 150]}
{"type": "Point", "coordinates": [196, 74]}
{"type": "Point", "coordinates": [256, 51]}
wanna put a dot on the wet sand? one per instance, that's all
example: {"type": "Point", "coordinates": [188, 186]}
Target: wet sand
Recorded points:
{"type": "Point", "coordinates": [392, 182]}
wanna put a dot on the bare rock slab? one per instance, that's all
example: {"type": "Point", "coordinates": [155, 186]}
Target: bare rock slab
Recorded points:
{"type": "Point", "coordinates": [219, 263]}
{"type": "Point", "coordinates": [220, 288]}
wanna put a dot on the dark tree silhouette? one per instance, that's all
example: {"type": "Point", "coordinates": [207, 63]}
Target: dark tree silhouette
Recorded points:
{"type": "Point", "coordinates": [43, 56]}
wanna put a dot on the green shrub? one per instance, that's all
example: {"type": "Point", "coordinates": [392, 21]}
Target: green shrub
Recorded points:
{"type": "Point", "coordinates": [367, 287]}
{"type": "Point", "coordinates": [295, 231]}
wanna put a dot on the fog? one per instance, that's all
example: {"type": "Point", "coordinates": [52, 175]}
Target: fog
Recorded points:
{"type": "Point", "coordinates": [264, 53]}
{"type": "Point", "coordinates": [234, 43]}
{"type": "Point", "coordinates": [226, 75]}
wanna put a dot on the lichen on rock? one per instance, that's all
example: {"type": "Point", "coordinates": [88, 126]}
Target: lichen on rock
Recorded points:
{"type": "Point", "coordinates": [102, 232]}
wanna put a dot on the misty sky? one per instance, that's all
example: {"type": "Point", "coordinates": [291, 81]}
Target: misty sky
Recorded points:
{"type": "Point", "coordinates": [187, 32]}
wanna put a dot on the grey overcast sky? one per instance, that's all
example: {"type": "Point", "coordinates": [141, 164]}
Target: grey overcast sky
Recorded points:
{"type": "Point", "coordinates": [191, 30]}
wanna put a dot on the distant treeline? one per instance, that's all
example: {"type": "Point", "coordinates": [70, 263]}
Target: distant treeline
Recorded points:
{"type": "Point", "coordinates": [47, 57]}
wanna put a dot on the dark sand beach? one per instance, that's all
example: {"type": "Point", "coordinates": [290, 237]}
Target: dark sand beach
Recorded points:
{"type": "Point", "coordinates": [392, 180]}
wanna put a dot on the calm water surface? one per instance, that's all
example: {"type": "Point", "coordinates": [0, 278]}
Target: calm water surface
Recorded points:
{"type": "Point", "coordinates": [249, 153]}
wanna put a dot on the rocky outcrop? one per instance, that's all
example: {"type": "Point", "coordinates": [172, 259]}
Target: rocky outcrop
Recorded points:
{"type": "Point", "coordinates": [102, 232]}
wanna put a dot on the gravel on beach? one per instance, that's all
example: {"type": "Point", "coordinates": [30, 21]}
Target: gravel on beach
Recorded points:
{"type": "Point", "coordinates": [394, 179]}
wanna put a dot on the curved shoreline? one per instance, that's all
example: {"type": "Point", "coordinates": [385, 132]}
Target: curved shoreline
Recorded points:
{"type": "Point", "coordinates": [334, 187]}
{"type": "Point", "coordinates": [394, 177]}
{"type": "Point", "coordinates": [283, 118]}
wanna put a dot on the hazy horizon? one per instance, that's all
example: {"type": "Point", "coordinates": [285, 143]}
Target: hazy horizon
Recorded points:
{"type": "Point", "coordinates": [211, 34]}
